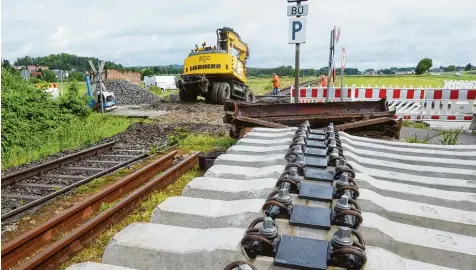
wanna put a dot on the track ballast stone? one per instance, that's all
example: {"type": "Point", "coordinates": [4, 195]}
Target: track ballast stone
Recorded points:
{"type": "Point", "coordinates": [128, 93]}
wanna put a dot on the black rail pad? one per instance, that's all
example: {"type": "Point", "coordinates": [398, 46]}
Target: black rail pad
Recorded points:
{"type": "Point", "coordinates": [316, 192]}
{"type": "Point", "coordinates": [311, 217]}
{"type": "Point", "coordinates": [316, 162]}
{"type": "Point", "coordinates": [302, 253]}
{"type": "Point", "coordinates": [319, 175]}
{"type": "Point", "coordinates": [316, 137]}
{"type": "Point", "coordinates": [317, 132]}
{"type": "Point", "coordinates": [316, 152]}
{"type": "Point", "coordinates": [316, 144]}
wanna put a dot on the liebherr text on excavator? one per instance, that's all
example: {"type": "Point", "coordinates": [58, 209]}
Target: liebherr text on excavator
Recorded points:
{"type": "Point", "coordinates": [217, 73]}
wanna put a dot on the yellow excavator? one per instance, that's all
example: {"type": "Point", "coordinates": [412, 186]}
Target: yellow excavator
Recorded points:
{"type": "Point", "coordinates": [217, 73]}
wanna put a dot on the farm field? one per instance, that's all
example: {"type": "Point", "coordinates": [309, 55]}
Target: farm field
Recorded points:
{"type": "Point", "coordinates": [264, 85]}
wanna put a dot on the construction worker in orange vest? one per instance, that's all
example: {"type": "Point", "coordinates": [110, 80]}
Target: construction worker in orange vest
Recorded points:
{"type": "Point", "coordinates": [276, 84]}
{"type": "Point", "coordinates": [323, 81]}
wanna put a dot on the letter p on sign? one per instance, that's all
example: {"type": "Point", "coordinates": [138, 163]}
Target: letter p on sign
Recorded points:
{"type": "Point", "coordinates": [297, 30]}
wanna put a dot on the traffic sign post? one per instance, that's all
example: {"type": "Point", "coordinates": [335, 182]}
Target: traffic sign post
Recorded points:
{"type": "Point", "coordinates": [342, 68]}
{"type": "Point", "coordinates": [335, 35]}
{"type": "Point", "coordinates": [99, 81]}
{"type": "Point", "coordinates": [297, 35]}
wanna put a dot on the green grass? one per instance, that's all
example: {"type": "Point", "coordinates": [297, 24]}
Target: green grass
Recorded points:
{"type": "Point", "coordinates": [401, 80]}
{"type": "Point", "coordinates": [201, 142]}
{"type": "Point", "coordinates": [416, 124]}
{"type": "Point", "coordinates": [76, 134]}
{"type": "Point", "coordinates": [163, 94]}
{"type": "Point", "coordinates": [416, 139]}
{"type": "Point", "coordinates": [63, 87]}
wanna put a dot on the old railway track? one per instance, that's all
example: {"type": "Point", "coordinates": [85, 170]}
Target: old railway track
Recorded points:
{"type": "Point", "coordinates": [28, 188]}
{"type": "Point", "coordinates": [84, 221]}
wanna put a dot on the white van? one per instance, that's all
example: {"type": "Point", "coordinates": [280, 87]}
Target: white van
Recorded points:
{"type": "Point", "coordinates": [163, 82]}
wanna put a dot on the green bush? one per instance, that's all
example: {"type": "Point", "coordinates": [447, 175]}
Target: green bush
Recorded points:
{"type": "Point", "coordinates": [29, 112]}
{"type": "Point", "coordinates": [48, 75]}
{"type": "Point", "coordinates": [73, 102]}
{"type": "Point", "coordinates": [76, 76]}
{"type": "Point", "coordinates": [450, 137]}
{"type": "Point", "coordinates": [35, 80]}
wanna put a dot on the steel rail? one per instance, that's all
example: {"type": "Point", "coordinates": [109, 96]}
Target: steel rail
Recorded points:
{"type": "Point", "coordinates": [37, 170]}
{"type": "Point", "coordinates": [61, 251]}
{"type": "Point", "coordinates": [69, 187]}
{"type": "Point", "coordinates": [29, 242]}
{"type": "Point", "coordinates": [287, 90]}
{"type": "Point", "coordinates": [283, 92]}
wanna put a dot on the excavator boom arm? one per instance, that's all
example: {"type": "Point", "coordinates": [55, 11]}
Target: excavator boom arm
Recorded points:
{"type": "Point", "coordinates": [227, 39]}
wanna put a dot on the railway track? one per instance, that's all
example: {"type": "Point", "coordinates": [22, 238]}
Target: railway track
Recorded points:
{"type": "Point", "coordinates": [87, 221]}
{"type": "Point", "coordinates": [28, 188]}
{"type": "Point", "coordinates": [283, 95]}
{"type": "Point", "coordinates": [414, 206]}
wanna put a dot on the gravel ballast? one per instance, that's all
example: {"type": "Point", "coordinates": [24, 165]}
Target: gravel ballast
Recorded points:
{"type": "Point", "coordinates": [128, 93]}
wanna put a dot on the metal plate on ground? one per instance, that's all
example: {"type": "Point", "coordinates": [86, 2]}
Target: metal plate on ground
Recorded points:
{"type": "Point", "coordinates": [317, 144]}
{"type": "Point", "coordinates": [319, 175]}
{"type": "Point", "coordinates": [311, 217]}
{"type": "Point", "coordinates": [316, 162]}
{"type": "Point", "coordinates": [302, 253]}
{"type": "Point", "coordinates": [317, 152]}
{"type": "Point", "coordinates": [316, 192]}
{"type": "Point", "coordinates": [315, 137]}
{"type": "Point", "coordinates": [317, 132]}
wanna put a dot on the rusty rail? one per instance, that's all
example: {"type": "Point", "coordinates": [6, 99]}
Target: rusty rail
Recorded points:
{"type": "Point", "coordinates": [27, 243]}
{"type": "Point", "coordinates": [64, 249]}
{"type": "Point", "coordinates": [382, 126]}
{"type": "Point", "coordinates": [243, 115]}
{"type": "Point", "coordinates": [61, 251]}
{"type": "Point", "coordinates": [256, 110]}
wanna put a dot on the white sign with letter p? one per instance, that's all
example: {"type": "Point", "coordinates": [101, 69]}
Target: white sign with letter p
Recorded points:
{"type": "Point", "coordinates": [297, 30]}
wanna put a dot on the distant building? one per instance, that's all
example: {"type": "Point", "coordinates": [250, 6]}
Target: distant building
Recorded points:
{"type": "Point", "coordinates": [133, 77]}
{"type": "Point", "coordinates": [32, 68]}
{"type": "Point", "coordinates": [61, 73]}
{"type": "Point", "coordinates": [36, 74]}
{"type": "Point", "coordinates": [404, 72]}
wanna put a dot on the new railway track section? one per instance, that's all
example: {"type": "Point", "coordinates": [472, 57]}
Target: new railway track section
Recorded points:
{"type": "Point", "coordinates": [30, 187]}
{"type": "Point", "coordinates": [285, 198]}
{"type": "Point", "coordinates": [84, 221]}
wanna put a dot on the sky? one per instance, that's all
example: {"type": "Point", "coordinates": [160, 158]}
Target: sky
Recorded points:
{"type": "Point", "coordinates": [375, 33]}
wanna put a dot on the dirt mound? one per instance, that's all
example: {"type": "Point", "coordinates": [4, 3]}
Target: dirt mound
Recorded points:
{"type": "Point", "coordinates": [128, 93]}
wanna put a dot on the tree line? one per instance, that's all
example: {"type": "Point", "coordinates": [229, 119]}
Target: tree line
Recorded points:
{"type": "Point", "coordinates": [80, 64]}
{"type": "Point", "coordinates": [64, 61]}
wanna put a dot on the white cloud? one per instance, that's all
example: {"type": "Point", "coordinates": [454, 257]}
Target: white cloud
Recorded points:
{"type": "Point", "coordinates": [375, 33]}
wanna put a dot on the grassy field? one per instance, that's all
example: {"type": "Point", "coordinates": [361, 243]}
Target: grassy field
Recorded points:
{"type": "Point", "coordinates": [264, 85]}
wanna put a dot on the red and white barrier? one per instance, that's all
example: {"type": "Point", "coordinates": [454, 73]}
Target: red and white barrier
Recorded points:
{"type": "Point", "coordinates": [409, 103]}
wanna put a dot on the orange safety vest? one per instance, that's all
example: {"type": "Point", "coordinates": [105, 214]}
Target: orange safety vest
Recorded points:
{"type": "Point", "coordinates": [276, 81]}
{"type": "Point", "coordinates": [323, 81]}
